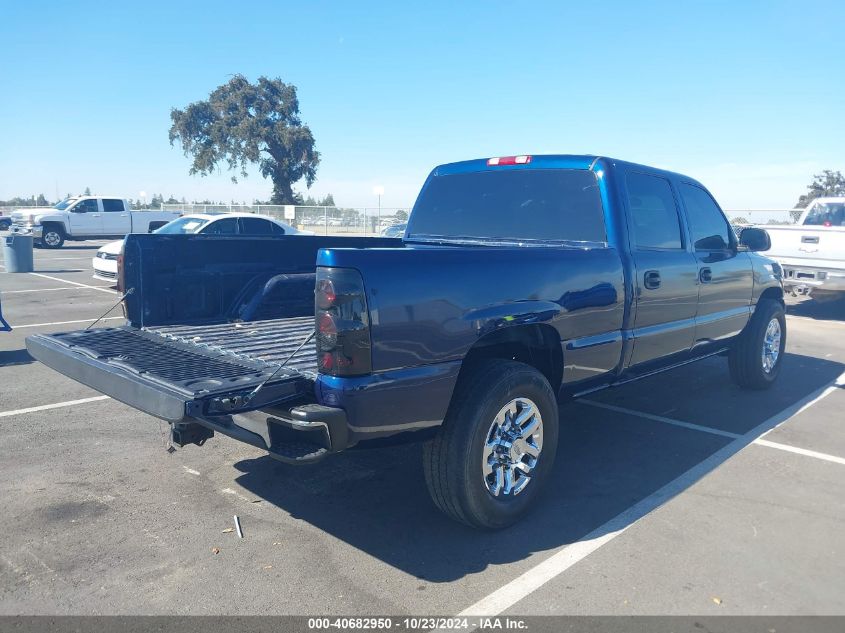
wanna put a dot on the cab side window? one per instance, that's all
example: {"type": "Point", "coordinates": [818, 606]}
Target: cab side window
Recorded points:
{"type": "Point", "coordinates": [654, 214]}
{"type": "Point", "coordinates": [709, 229]}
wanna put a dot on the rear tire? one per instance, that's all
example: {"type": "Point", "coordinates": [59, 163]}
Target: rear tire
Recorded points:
{"type": "Point", "coordinates": [52, 236]}
{"type": "Point", "coordinates": [757, 354]}
{"type": "Point", "coordinates": [497, 446]}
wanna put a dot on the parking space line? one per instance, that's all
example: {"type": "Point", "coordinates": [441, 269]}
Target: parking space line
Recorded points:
{"type": "Point", "coordinates": [800, 451]}
{"type": "Point", "coordinates": [46, 407]}
{"type": "Point", "coordinates": [18, 327]}
{"type": "Point", "coordinates": [522, 586]}
{"type": "Point", "coordinates": [75, 283]}
{"type": "Point", "coordinates": [53, 259]}
{"type": "Point", "coordinates": [13, 292]}
{"type": "Point", "coordinates": [659, 418]}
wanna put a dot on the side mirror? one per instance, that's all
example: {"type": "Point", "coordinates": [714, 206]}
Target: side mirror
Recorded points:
{"type": "Point", "coordinates": [755, 239]}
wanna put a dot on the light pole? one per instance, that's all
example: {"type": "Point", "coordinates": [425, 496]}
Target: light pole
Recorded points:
{"type": "Point", "coordinates": [379, 191]}
{"type": "Point", "coordinates": [143, 195]}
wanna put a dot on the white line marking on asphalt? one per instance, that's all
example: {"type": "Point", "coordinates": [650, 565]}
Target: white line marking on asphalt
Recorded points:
{"type": "Point", "coordinates": [75, 283]}
{"type": "Point", "coordinates": [508, 595]}
{"type": "Point", "coordinates": [191, 471]}
{"type": "Point", "coordinates": [12, 292]}
{"type": "Point", "coordinates": [659, 418]}
{"type": "Point", "coordinates": [801, 451]}
{"type": "Point", "coordinates": [57, 405]}
{"type": "Point", "coordinates": [18, 327]}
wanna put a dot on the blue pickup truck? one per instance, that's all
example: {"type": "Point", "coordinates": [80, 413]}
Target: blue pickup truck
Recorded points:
{"type": "Point", "coordinates": [519, 280]}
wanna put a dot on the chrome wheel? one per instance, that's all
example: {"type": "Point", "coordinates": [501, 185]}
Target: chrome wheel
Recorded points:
{"type": "Point", "coordinates": [512, 448]}
{"type": "Point", "coordinates": [771, 346]}
{"type": "Point", "coordinates": [51, 238]}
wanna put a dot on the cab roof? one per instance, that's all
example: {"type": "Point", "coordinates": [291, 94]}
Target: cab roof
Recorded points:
{"type": "Point", "coordinates": [547, 161]}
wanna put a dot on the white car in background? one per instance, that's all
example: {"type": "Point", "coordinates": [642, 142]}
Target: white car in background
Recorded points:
{"type": "Point", "coordinates": [105, 261]}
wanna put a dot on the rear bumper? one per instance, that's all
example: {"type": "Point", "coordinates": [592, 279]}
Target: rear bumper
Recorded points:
{"type": "Point", "coordinates": [297, 433]}
{"type": "Point", "coordinates": [814, 278]}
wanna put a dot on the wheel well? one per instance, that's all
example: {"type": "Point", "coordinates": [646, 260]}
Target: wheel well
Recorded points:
{"type": "Point", "coordinates": [775, 294]}
{"type": "Point", "coordinates": [57, 225]}
{"type": "Point", "coordinates": [537, 345]}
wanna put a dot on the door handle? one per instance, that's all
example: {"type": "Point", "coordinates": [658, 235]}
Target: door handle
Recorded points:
{"type": "Point", "coordinates": [705, 275]}
{"type": "Point", "coordinates": [651, 279]}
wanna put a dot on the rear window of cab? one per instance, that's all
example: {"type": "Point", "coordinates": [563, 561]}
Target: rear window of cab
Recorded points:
{"type": "Point", "coordinates": [557, 205]}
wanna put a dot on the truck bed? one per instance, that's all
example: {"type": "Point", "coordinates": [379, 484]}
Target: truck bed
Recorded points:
{"type": "Point", "coordinates": [271, 341]}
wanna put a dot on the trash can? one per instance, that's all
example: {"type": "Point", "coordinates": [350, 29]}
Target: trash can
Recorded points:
{"type": "Point", "coordinates": [17, 253]}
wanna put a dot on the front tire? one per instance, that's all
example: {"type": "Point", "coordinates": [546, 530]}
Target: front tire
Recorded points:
{"type": "Point", "coordinates": [497, 446]}
{"type": "Point", "coordinates": [757, 355]}
{"type": "Point", "coordinates": [52, 236]}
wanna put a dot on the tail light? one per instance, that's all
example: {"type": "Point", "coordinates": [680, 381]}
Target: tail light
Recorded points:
{"type": "Point", "coordinates": [342, 323]}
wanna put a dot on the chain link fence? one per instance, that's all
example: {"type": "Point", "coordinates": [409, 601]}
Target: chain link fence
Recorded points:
{"type": "Point", "coordinates": [372, 220]}
{"type": "Point", "coordinates": [321, 220]}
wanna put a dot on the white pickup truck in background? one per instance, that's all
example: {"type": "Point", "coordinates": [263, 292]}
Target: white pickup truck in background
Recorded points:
{"type": "Point", "coordinates": [812, 251]}
{"type": "Point", "coordinates": [86, 217]}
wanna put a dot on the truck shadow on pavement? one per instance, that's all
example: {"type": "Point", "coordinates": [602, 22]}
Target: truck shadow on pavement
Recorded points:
{"type": "Point", "coordinates": [826, 310]}
{"type": "Point", "coordinates": [15, 357]}
{"type": "Point", "coordinates": [376, 500]}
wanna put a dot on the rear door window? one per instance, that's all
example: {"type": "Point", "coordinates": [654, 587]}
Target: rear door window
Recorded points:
{"type": "Point", "coordinates": [709, 229]}
{"type": "Point", "coordinates": [654, 214]}
{"type": "Point", "coordinates": [256, 226]}
{"type": "Point", "coordinates": [110, 205]}
{"type": "Point", "coordinates": [225, 226]}
{"type": "Point", "coordinates": [511, 204]}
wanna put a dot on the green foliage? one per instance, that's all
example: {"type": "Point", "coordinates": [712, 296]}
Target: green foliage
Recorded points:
{"type": "Point", "coordinates": [310, 201]}
{"type": "Point", "coordinates": [29, 201]}
{"type": "Point", "coordinates": [243, 123]}
{"type": "Point", "coordinates": [401, 215]}
{"type": "Point", "coordinates": [827, 183]}
{"type": "Point", "coordinates": [87, 191]}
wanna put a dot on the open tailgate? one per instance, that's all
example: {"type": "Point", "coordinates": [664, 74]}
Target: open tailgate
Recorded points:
{"type": "Point", "coordinates": [165, 375]}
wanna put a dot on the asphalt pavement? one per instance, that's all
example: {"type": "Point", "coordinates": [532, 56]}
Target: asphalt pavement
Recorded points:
{"type": "Point", "coordinates": [677, 494]}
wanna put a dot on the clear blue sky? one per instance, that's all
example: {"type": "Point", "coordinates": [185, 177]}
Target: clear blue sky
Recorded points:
{"type": "Point", "coordinates": [747, 96]}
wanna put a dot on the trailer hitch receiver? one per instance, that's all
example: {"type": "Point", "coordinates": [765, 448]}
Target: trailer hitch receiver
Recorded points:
{"type": "Point", "coordinates": [184, 433]}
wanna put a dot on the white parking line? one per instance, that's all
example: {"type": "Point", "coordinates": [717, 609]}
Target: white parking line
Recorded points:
{"type": "Point", "coordinates": [508, 595]}
{"type": "Point", "coordinates": [13, 292]}
{"type": "Point", "coordinates": [658, 418]}
{"type": "Point", "coordinates": [800, 451]}
{"type": "Point", "coordinates": [708, 429]}
{"type": "Point", "coordinates": [75, 283]}
{"type": "Point", "coordinates": [46, 407]}
{"type": "Point", "coordinates": [18, 327]}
